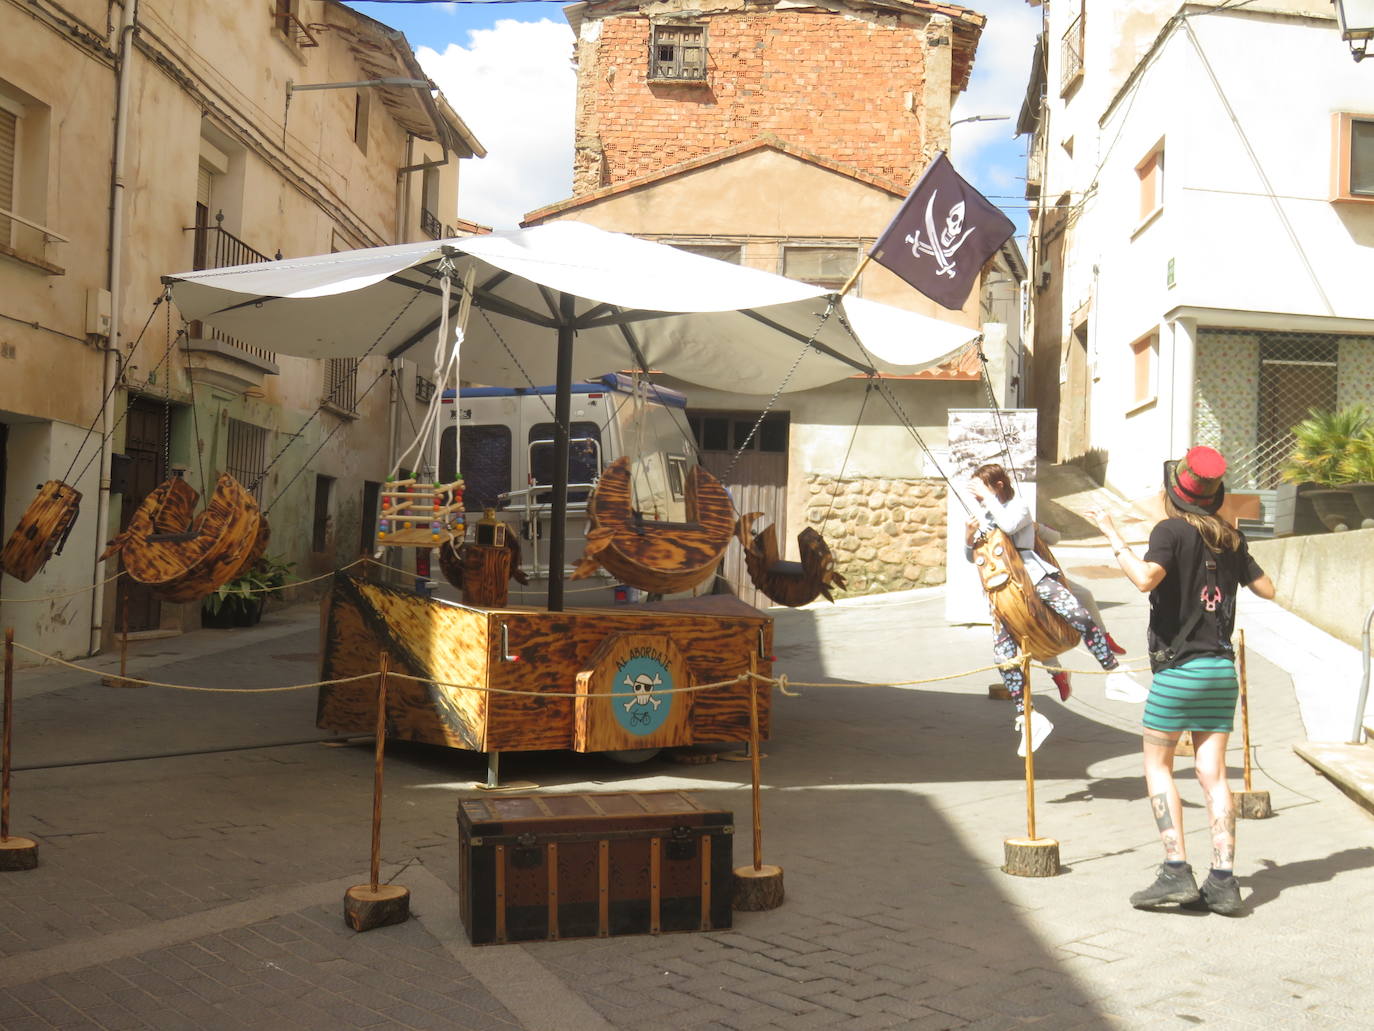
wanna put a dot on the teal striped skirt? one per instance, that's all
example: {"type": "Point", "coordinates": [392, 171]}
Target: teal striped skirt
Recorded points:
{"type": "Point", "coordinates": [1200, 694]}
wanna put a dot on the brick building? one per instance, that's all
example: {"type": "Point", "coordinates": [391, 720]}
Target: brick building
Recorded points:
{"type": "Point", "coordinates": [784, 137]}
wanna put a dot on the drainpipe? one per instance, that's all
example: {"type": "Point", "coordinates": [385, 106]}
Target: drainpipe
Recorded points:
{"type": "Point", "coordinates": [128, 25]}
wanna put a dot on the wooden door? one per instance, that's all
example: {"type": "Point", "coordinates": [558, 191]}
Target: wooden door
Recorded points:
{"type": "Point", "coordinates": [757, 484]}
{"type": "Point", "coordinates": [145, 444]}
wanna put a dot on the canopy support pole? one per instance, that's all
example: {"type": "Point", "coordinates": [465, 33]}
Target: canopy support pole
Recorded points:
{"type": "Point", "coordinates": [562, 416]}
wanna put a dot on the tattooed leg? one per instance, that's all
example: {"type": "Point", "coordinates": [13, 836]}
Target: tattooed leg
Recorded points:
{"type": "Point", "coordinates": [1165, 803]}
{"type": "Point", "coordinates": [1221, 810]}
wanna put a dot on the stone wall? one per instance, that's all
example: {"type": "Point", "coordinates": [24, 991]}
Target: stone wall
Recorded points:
{"type": "Point", "coordinates": [885, 534]}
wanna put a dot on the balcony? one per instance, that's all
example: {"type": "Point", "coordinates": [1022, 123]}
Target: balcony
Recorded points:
{"type": "Point", "coordinates": [1071, 57]}
{"type": "Point", "coordinates": [430, 224]}
{"type": "Point", "coordinates": [219, 357]}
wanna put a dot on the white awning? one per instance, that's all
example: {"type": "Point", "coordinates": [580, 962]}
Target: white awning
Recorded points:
{"type": "Point", "coordinates": [701, 320]}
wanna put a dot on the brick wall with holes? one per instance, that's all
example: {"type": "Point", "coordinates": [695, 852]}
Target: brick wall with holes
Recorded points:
{"type": "Point", "coordinates": [837, 86]}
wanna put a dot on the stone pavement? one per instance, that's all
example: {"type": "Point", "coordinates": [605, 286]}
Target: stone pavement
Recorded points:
{"type": "Point", "coordinates": [204, 891]}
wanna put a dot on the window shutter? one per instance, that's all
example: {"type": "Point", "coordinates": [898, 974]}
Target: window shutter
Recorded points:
{"type": "Point", "coordinates": [203, 186]}
{"type": "Point", "coordinates": [9, 131]}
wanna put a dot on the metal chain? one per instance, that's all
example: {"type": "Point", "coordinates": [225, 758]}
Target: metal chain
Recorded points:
{"type": "Point", "coordinates": [868, 388]}
{"type": "Point", "coordinates": [829, 310]}
{"type": "Point", "coordinates": [997, 415]}
{"type": "Point", "coordinates": [167, 400]}
{"type": "Point", "coordinates": [185, 337]}
{"type": "Point", "coordinates": [502, 340]}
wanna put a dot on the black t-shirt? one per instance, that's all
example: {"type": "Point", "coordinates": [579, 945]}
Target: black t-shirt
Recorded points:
{"type": "Point", "coordinates": [1179, 548]}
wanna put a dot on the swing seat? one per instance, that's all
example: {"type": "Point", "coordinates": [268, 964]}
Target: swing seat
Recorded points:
{"type": "Point", "coordinates": [42, 531]}
{"type": "Point", "coordinates": [785, 582]}
{"type": "Point", "coordinates": [184, 557]}
{"type": "Point", "coordinates": [658, 557]}
{"type": "Point", "coordinates": [1015, 606]}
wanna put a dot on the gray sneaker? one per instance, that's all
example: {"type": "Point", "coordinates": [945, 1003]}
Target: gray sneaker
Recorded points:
{"type": "Point", "coordinates": [1222, 895]}
{"type": "Point", "coordinates": [1170, 886]}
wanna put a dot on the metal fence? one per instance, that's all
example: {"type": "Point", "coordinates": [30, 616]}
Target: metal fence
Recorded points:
{"type": "Point", "coordinates": [341, 383]}
{"type": "Point", "coordinates": [216, 247]}
{"type": "Point", "coordinates": [246, 455]}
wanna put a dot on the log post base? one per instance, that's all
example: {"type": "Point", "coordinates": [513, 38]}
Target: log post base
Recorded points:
{"type": "Point", "coordinates": [365, 909]}
{"type": "Point", "coordinates": [118, 682]}
{"type": "Point", "coordinates": [1031, 857]}
{"type": "Point", "coordinates": [998, 693]}
{"type": "Point", "coordinates": [1253, 805]}
{"type": "Point", "coordinates": [758, 889]}
{"type": "Point", "coordinates": [18, 853]}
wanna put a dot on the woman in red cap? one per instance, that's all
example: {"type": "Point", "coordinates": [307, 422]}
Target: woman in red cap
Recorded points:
{"type": "Point", "coordinates": [1193, 567]}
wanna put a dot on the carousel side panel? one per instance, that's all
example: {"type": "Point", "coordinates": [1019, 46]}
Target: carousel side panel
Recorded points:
{"type": "Point", "coordinates": [444, 644]}
{"type": "Point", "coordinates": [554, 647]}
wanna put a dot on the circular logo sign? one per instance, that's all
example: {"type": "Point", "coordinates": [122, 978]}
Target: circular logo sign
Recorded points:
{"type": "Point", "coordinates": [636, 694]}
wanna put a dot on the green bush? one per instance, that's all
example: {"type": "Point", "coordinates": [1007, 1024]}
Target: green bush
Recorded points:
{"type": "Point", "coordinates": [243, 593]}
{"type": "Point", "coordinates": [1332, 448]}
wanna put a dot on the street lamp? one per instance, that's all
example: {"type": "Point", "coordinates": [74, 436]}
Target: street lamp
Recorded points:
{"type": "Point", "coordinates": [1000, 118]}
{"type": "Point", "coordinates": [1356, 20]}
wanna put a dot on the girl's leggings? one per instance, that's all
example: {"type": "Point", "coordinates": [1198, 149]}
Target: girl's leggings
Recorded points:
{"type": "Point", "coordinates": [1056, 596]}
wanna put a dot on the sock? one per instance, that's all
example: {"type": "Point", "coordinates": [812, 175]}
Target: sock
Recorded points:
{"type": "Point", "coordinates": [1218, 874]}
{"type": "Point", "coordinates": [1175, 864]}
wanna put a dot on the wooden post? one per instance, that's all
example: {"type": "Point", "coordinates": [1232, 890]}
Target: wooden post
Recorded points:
{"type": "Point", "coordinates": [374, 904]}
{"type": "Point", "coordinates": [122, 680]}
{"type": "Point", "coordinates": [1030, 856]}
{"type": "Point", "coordinates": [759, 886]}
{"type": "Point", "coordinates": [15, 853]}
{"type": "Point", "coordinates": [1250, 805]}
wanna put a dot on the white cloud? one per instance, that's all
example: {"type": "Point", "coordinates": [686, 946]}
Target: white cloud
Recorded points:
{"type": "Point", "coordinates": [515, 88]}
{"type": "Point", "coordinates": [998, 84]}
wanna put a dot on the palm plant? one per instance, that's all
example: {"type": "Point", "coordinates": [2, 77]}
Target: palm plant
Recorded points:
{"type": "Point", "coordinates": [1331, 448]}
{"type": "Point", "coordinates": [250, 589]}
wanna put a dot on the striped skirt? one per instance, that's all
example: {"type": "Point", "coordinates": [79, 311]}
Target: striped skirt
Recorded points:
{"type": "Point", "coordinates": [1200, 694]}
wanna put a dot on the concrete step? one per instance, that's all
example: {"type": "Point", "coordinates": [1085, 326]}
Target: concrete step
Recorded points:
{"type": "Point", "coordinates": [1349, 767]}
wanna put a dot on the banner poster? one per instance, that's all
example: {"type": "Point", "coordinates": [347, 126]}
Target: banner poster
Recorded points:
{"type": "Point", "coordinates": [978, 436]}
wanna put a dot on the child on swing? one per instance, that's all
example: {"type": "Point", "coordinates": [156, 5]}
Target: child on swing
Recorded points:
{"type": "Point", "coordinates": [1004, 509]}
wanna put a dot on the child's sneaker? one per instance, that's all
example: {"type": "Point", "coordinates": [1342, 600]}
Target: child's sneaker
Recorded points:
{"type": "Point", "coordinates": [1061, 681]}
{"type": "Point", "coordinates": [1039, 730]}
{"type": "Point", "coordinates": [1122, 687]}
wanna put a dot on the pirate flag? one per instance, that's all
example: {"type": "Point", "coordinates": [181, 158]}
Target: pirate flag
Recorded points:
{"type": "Point", "coordinates": [942, 235]}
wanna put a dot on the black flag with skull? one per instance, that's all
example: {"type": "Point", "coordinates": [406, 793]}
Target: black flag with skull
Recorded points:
{"type": "Point", "coordinates": [942, 235]}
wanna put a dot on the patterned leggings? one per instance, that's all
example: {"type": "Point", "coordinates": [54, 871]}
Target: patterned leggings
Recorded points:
{"type": "Point", "coordinates": [1056, 596]}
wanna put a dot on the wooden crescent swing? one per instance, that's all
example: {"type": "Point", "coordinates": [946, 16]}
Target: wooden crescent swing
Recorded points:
{"type": "Point", "coordinates": [185, 557]}
{"type": "Point", "coordinates": [1015, 605]}
{"type": "Point", "coordinates": [659, 557]}
{"type": "Point", "coordinates": [42, 531]}
{"type": "Point", "coordinates": [788, 583]}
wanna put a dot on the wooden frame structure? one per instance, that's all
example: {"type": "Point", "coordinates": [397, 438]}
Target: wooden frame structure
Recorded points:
{"type": "Point", "coordinates": [424, 518]}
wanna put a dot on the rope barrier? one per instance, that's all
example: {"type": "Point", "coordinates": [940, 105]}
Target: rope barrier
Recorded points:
{"type": "Point", "coordinates": [58, 597]}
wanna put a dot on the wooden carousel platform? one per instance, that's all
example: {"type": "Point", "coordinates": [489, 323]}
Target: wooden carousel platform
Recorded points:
{"type": "Point", "coordinates": [593, 671]}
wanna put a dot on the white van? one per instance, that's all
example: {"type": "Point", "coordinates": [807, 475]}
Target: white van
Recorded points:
{"type": "Point", "coordinates": [507, 453]}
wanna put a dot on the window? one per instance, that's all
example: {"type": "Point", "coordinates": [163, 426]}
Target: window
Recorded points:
{"type": "Point", "coordinates": [584, 456]}
{"type": "Point", "coordinates": [429, 205]}
{"type": "Point", "coordinates": [287, 21]}
{"type": "Point", "coordinates": [728, 431]}
{"type": "Point", "coordinates": [730, 252]}
{"type": "Point", "coordinates": [1150, 172]}
{"type": "Point", "coordinates": [826, 267]}
{"type": "Point", "coordinates": [1145, 354]}
{"type": "Point", "coordinates": [341, 384]}
{"type": "Point", "coordinates": [321, 526]}
{"type": "Point", "coordinates": [361, 110]}
{"type": "Point", "coordinates": [1352, 166]}
{"type": "Point", "coordinates": [1071, 52]}
{"type": "Point", "coordinates": [24, 174]}
{"type": "Point", "coordinates": [678, 53]}
{"type": "Point", "coordinates": [246, 455]}
{"type": "Point", "coordinates": [486, 463]}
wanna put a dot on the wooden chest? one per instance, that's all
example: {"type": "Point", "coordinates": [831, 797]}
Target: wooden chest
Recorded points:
{"type": "Point", "coordinates": [544, 867]}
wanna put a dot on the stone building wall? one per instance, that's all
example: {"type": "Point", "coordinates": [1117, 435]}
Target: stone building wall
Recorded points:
{"type": "Point", "coordinates": [885, 534]}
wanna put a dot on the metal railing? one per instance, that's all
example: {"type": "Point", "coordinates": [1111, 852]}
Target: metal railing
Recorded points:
{"type": "Point", "coordinates": [216, 247]}
{"type": "Point", "coordinates": [537, 517]}
{"type": "Point", "coordinates": [430, 224]}
{"type": "Point", "coordinates": [295, 30]}
{"type": "Point", "coordinates": [1071, 55]}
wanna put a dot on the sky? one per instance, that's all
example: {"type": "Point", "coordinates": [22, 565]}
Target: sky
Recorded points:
{"type": "Point", "coordinates": [507, 70]}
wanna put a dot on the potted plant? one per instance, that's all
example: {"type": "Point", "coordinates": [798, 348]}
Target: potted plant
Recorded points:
{"type": "Point", "coordinates": [240, 601]}
{"type": "Point", "coordinates": [1359, 467]}
{"type": "Point", "coordinates": [1324, 461]}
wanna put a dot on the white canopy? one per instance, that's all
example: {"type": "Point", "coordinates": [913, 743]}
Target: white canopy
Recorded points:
{"type": "Point", "coordinates": [698, 319]}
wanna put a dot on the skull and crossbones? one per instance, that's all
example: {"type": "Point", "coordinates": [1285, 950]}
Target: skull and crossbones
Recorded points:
{"type": "Point", "coordinates": [643, 686]}
{"type": "Point", "coordinates": [944, 243]}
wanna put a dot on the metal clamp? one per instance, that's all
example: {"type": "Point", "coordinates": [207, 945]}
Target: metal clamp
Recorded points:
{"type": "Point", "coordinates": [506, 656]}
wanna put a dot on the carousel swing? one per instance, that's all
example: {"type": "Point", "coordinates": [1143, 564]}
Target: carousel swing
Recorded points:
{"type": "Point", "coordinates": [654, 555]}
{"type": "Point", "coordinates": [180, 554]}
{"type": "Point", "coordinates": [48, 521]}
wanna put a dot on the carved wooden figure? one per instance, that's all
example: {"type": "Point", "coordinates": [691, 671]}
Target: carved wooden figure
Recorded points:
{"type": "Point", "coordinates": [1015, 605]}
{"type": "Point", "coordinates": [660, 557]}
{"type": "Point", "coordinates": [788, 583]}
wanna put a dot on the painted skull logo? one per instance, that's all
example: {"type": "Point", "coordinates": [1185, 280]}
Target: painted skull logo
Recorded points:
{"type": "Point", "coordinates": [643, 686]}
